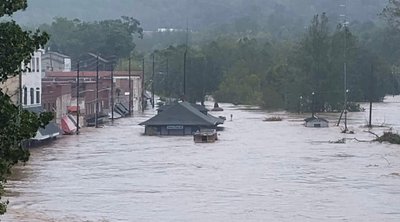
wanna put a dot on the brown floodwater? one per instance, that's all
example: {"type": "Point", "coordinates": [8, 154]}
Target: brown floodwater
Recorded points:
{"type": "Point", "coordinates": [256, 171]}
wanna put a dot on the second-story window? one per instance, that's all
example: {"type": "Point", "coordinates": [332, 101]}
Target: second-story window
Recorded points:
{"type": "Point", "coordinates": [33, 66]}
{"type": "Point", "coordinates": [32, 94]}
{"type": "Point", "coordinates": [25, 96]}
{"type": "Point", "coordinates": [37, 64]}
{"type": "Point", "coordinates": [38, 95]}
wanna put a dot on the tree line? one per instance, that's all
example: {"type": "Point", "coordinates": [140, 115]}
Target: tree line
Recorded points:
{"type": "Point", "coordinates": [275, 65]}
{"type": "Point", "coordinates": [277, 73]}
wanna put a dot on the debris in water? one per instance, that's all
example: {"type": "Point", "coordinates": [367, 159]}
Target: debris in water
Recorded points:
{"type": "Point", "coordinates": [273, 119]}
{"type": "Point", "coordinates": [390, 137]}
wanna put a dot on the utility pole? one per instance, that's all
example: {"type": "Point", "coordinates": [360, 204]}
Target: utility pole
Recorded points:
{"type": "Point", "coordinates": [184, 61]}
{"type": "Point", "coordinates": [152, 84]}
{"type": "Point", "coordinates": [184, 74]}
{"type": "Point", "coordinates": [313, 104]}
{"type": "Point", "coordinates": [97, 92]}
{"type": "Point", "coordinates": [345, 90]}
{"type": "Point", "coordinates": [77, 99]}
{"type": "Point", "coordinates": [167, 79]}
{"type": "Point", "coordinates": [112, 92]}
{"type": "Point", "coordinates": [130, 88]}
{"type": "Point", "coordinates": [371, 94]}
{"type": "Point", "coordinates": [143, 89]}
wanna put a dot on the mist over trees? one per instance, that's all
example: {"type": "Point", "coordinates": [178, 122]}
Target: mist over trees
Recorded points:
{"type": "Point", "coordinates": [155, 14]}
{"type": "Point", "coordinates": [268, 53]}
{"type": "Point", "coordinates": [108, 38]}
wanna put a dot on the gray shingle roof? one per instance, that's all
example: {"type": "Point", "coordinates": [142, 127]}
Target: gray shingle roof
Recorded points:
{"type": "Point", "coordinates": [199, 107]}
{"type": "Point", "coordinates": [316, 119]}
{"type": "Point", "coordinates": [183, 114]}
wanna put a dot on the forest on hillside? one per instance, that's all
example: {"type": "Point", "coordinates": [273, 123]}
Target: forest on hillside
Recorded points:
{"type": "Point", "coordinates": [274, 61]}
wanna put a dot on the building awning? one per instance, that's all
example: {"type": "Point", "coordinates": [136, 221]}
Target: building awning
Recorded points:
{"type": "Point", "coordinates": [72, 109]}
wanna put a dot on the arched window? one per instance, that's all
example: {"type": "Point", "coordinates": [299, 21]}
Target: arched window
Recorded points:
{"type": "Point", "coordinates": [25, 96]}
{"type": "Point", "coordinates": [32, 94]}
{"type": "Point", "coordinates": [38, 95]}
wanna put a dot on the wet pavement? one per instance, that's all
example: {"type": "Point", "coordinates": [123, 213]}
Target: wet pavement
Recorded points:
{"type": "Point", "coordinates": [257, 171]}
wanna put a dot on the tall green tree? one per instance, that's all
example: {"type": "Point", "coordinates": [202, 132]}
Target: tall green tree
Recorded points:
{"type": "Point", "coordinates": [16, 125]}
{"type": "Point", "coordinates": [108, 37]}
{"type": "Point", "coordinates": [392, 13]}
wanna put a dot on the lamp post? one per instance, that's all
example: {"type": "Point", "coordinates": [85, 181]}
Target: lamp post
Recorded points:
{"type": "Point", "coordinates": [152, 83]}
{"type": "Point", "coordinates": [300, 104]}
{"type": "Point", "coordinates": [97, 92]}
{"type": "Point", "coordinates": [112, 93]}
{"type": "Point", "coordinates": [130, 88]}
{"type": "Point", "coordinates": [345, 110]}
{"type": "Point", "coordinates": [95, 101]}
{"type": "Point", "coordinates": [143, 88]}
{"type": "Point", "coordinates": [313, 104]}
{"type": "Point", "coordinates": [77, 100]}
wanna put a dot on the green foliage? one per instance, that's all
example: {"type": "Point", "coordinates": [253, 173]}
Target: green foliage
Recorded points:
{"type": "Point", "coordinates": [108, 38]}
{"type": "Point", "coordinates": [9, 7]}
{"type": "Point", "coordinates": [16, 125]}
{"type": "Point", "coordinates": [275, 73]}
{"type": "Point", "coordinates": [391, 13]}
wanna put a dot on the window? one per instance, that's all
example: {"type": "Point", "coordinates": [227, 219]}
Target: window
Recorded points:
{"type": "Point", "coordinates": [25, 95]}
{"type": "Point", "coordinates": [33, 67]}
{"type": "Point", "coordinates": [32, 94]}
{"type": "Point", "coordinates": [37, 64]}
{"type": "Point", "coordinates": [38, 95]}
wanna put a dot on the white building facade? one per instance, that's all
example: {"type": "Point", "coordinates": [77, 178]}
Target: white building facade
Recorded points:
{"type": "Point", "coordinates": [32, 82]}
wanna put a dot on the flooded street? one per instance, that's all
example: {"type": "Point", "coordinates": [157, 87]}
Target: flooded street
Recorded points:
{"type": "Point", "coordinates": [257, 171]}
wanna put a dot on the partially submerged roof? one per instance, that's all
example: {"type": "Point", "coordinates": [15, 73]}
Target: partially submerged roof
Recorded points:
{"type": "Point", "coordinates": [199, 107]}
{"type": "Point", "coordinates": [183, 114]}
{"type": "Point", "coordinates": [315, 118]}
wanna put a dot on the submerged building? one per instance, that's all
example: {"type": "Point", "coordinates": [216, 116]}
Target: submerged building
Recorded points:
{"type": "Point", "coordinates": [180, 119]}
{"type": "Point", "coordinates": [316, 122]}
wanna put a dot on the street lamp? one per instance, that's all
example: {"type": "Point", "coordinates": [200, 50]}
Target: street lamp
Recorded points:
{"type": "Point", "coordinates": [77, 102]}
{"type": "Point", "coordinates": [112, 92]}
{"type": "Point", "coordinates": [313, 104]}
{"type": "Point", "coordinates": [77, 99]}
{"type": "Point", "coordinates": [96, 100]}
{"type": "Point", "coordinates": [345, 110]}
{"type": "Point", "coordinates": [300, 104]}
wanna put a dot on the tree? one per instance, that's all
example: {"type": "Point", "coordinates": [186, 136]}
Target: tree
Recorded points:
{"type": "Point", "coordinates": [107, 38]}
{"type": "Point", "coordinates": [16, 125]}
{"type": "Point", "coordinates": [391, 13]}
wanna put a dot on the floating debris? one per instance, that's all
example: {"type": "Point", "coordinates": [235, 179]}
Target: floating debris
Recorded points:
{"type": "Point", "coordinates": [395, 174]}
{"type": "Point", "coordinates": [273, 119]}
{"type": "Point", "coordinates": [341, 141]}
{"type": "Point", "coordinates": [390, 137]}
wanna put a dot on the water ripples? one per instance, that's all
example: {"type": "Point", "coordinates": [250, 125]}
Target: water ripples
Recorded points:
{"type": "Point", "coordinates": [257, 171]}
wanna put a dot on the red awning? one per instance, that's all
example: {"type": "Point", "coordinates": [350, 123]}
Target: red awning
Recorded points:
{"type": "Point", "coordinates": [72, 109]}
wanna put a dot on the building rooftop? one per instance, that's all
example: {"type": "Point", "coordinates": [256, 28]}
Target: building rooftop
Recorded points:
{"type": "Point", "coordinates": [50, 74]}
{"type": "Point", "coordinates": [183, 114]}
